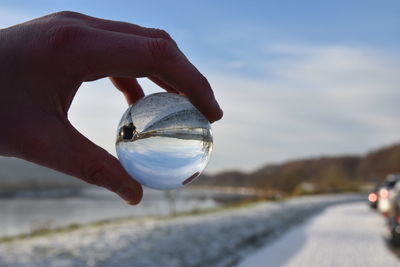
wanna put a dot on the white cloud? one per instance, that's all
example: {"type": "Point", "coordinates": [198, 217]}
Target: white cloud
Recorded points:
{"type": "Point", "coordinates": [315, 101]}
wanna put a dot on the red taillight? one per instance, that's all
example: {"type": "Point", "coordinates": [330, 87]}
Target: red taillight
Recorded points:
{"type": "Point", "coordinates": [372, 197]}
{"type": "Point", "coordinates": [384, 193]}
{"type": "Point", "coordinates": [398, 219]}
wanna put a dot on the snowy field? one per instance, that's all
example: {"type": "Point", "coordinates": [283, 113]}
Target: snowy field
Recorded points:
{"type": "Point", "coordinates": [211, 239]}
{"type": "Point", "coordinates": [26, 213]}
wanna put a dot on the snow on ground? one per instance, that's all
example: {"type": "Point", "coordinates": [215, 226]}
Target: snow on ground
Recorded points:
{"type": "Point", "coordinates": [345, 235]}
{"type": "Point", "coordinates": [212, 239]}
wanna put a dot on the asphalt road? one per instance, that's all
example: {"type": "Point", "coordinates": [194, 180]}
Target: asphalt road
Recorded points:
{"type": "Point", "coordinates": [343, 235]}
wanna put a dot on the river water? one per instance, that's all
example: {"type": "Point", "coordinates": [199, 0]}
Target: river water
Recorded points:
{"type": "Point", "coordinates": [28, 212]}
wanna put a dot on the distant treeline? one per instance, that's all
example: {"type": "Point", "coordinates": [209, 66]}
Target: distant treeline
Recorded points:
{"type": "Point", "coordinates": [315, 175]}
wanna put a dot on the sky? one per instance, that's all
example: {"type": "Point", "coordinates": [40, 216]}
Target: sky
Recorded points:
{"type": "Point", "coordinates": [295, 78]}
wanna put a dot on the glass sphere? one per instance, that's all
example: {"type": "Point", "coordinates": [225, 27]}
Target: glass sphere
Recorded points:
{"type": "Point", "coordinates": [163, 141]}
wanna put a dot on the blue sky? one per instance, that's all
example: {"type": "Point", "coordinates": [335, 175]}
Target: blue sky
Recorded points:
{"type": "Point", "coordinates": [295, 78]}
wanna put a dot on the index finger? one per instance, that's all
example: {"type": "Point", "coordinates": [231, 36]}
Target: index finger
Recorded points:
{"type": "Point", "coordinates": [107, 53]}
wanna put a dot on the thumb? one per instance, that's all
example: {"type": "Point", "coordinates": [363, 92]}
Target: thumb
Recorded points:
{"type": "Point", "coordinates": [63, 148]}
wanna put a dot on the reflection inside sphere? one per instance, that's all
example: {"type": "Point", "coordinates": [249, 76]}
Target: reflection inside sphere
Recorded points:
{"type": "Point", "coordinates": [163, 141]}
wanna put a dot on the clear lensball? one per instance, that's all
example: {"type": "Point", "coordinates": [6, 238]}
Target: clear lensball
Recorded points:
{"type": "Point", "coordinates": [163, 141]}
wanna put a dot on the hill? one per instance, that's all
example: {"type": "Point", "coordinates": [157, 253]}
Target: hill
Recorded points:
{"type": "Point", "coordinates": [316, 175]}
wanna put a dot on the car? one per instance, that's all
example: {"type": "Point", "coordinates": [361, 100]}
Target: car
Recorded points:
{"type": "Point", "coordinates": [394, 210]}
{"type": "Point", "coordinates": [386, 195]}
{"type": "Point", "coordinates": [394, 223]}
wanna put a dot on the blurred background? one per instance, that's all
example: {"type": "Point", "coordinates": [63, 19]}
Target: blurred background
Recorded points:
{"type": "Point", "coordinates": [310, 93]}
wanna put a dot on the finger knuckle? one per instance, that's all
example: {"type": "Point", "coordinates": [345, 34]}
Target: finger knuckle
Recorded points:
{"type": "Point", "coordinates": [162, 50]}
{"type": "Point", "coordinates": [158, 33]}
{"type": "Point", "coordinates": [93, 172]}
{"type": "Point", "coordinates": [63, 35]}
{"type": "Point", "coordinates": [66, 14]}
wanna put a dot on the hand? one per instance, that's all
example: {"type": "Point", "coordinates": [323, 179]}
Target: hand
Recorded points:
{"type": "Point", "coordinates": [44, 61]}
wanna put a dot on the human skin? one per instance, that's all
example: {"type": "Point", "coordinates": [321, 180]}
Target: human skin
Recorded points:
{"type": "Point", "coordinates": [44, 61]}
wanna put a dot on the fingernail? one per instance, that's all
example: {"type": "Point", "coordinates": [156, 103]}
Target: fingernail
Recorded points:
{"type": "Point", "coordinates": [216, 104]}
{"type": "Point", "coordinates": [132, 194]}
{"type": "Point", "coordinates": [218, 114]}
